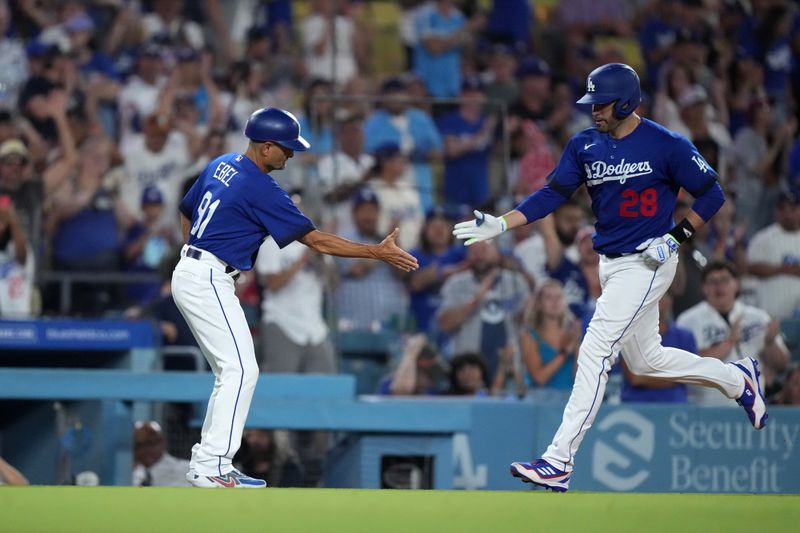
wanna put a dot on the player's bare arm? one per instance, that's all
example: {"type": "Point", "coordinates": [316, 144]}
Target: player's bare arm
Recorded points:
{"type": "Point", "coordinates": [387, 250]}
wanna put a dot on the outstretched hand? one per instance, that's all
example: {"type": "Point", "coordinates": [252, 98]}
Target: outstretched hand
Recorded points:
{"type": "Point", "coordinates": [389, 252]}
{"type": "Point", "coordinates": [482, 228]}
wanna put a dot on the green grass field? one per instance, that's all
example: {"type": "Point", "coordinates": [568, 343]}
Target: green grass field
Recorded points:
{"type": "Point", "coordinates": [112, 509]}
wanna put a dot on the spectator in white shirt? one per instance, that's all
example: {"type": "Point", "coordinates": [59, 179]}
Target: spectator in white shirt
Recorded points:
{"type": "Point", "coordinates": [294, 335]}
{"type": "Point", "coordinates": [13, 61]}
{"type": "Point", "coordinates": [398, 197]}
{"type": "Point", "coordinates": [728, 329]}
{"type": "Point", "coordinates": [336, 62]}
{"type": "Point", "coordinates": [167, 22]}
{"type": "Point", "coordinates": [138, 98]}
{"type": "Point", "coordinates": [344, 172]}
{"type": "Point", "coordinates": [156, 157]}
{"type": "Point", "coordinates": [774, 258]}
{"type": "Point", "coordinates": [153, 466]}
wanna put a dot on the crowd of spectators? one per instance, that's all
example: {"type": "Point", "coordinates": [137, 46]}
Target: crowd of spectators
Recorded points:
{"type": "Point", "coordinates": [109, 109]}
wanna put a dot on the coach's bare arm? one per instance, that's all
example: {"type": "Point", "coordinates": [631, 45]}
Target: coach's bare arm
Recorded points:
{"type": "Point", "coordinates": [387, 250]}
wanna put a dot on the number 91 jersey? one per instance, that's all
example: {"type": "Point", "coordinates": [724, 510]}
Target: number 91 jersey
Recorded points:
{"type": "Point", "coordinates": [633, 181]}
{"type": "Point", "coordinates": [233, 206]}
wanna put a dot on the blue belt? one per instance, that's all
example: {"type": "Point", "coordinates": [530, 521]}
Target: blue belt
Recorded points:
{"type": "Point", "coordinates": [194, 253]}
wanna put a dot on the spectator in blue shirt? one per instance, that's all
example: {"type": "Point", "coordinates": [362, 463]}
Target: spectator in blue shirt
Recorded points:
{"type": "Point", "coordinates": [442, 31]}
{"type": "Point", "coordinates": [468, 134]}
{"type": "Point", "coordinates": [643, 389]}
{"type": "Point", "coordinates": [85, 234]}
{"type": "Point", "coordinates": [550, 339]}
{"type": "Point", "coordinates": [438, 259]}
{"type": "Point", "coordinates": [509, 21]}
{"type": "Point", "coordinates": [773, 49]}
{"type": "Point", "coordinates": [146, 243]}
{"type": "Point", "coordinates": [657, 37]}
{"type": "Point", "coordinates": [411, 129]}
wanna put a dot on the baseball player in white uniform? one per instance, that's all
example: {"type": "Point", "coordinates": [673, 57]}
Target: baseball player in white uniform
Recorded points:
{"type": "Point", "coordinates": [633, 169]}
{"type": "Point", "coordinates": [232, 207]}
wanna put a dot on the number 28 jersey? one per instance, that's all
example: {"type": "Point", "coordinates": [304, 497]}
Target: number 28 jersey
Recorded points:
{"type": "Point", "coordinates": [633, 181]}
{"type": "Point", "coordinates": [233, 206]}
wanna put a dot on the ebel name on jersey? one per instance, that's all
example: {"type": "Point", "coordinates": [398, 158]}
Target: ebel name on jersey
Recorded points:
{"type": "Point", "coordinates": [600, 171]}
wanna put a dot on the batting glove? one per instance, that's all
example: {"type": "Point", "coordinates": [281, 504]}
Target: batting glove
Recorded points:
{"type": "Point", "coordinates": [483, 228]}
{"type": "Point", "coordinates": [661, 249]}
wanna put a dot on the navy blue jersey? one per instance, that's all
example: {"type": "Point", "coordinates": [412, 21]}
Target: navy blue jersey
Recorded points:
{"type": "Point", "coordinates": [234, 206]}
{"type": "Point", "coordinates": [633, 181]}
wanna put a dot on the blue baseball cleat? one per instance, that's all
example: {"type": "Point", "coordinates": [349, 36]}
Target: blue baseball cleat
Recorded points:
{"type": "Point", "coordinates": [542, 473]}
{"type": "Point", "coordinates": [232, 480]}
{"type": "Point", "coordinates": [752, 399]}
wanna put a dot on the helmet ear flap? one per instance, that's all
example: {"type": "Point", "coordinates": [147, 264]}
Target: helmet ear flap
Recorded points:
{"type": "Point", "coordinates": [621, 109]}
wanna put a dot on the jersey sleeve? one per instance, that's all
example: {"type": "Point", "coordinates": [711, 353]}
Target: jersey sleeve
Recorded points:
{"type": "Point", "coordinates": [280, 217]}
{"type": "Point", "coordinates": [693, 173]}
{"type": "Point", "coordinates": [562, 182]}
{"type": "Point", "coordinates": [689, 169]}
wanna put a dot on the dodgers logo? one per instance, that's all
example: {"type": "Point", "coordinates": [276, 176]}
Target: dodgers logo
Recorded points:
{"type": "Point", "coordinates": [700, 162]}
{"type": "Point", "coordinates": [631, 435]}
{"type": "Point", "coordinates": [589, 86]}
{"type": "Point", "coordinates": [601, 171]}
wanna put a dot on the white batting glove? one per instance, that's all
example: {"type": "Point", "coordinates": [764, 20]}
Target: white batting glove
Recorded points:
{"type": "Point", "coordinates": [661, 249]}
{"type": "Point", "coordinates": [483, 228]}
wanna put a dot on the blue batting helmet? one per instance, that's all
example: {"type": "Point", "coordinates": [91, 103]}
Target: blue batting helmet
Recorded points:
{"type": "Point", "coordinates": [614, 82]}
{"type": "Point", "coordinates": [278, 126]}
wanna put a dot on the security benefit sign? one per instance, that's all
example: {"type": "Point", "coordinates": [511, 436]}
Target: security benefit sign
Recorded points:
{"type": "Point", "coordinates": [690, 449]}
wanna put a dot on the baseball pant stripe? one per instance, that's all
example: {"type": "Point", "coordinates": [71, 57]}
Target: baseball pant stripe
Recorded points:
{"type": "Point", "coordinates": [603, 367]}
{"type": "Point", "coordinates": [241, 366]}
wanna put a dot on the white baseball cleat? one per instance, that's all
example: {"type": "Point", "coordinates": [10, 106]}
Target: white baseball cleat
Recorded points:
{"type": "Point", "coordinates": [752, 399]}
{"type": "Point", "coordinates": [232, 480]}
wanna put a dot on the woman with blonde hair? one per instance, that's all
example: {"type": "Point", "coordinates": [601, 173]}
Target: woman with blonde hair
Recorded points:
{"type": "Point", "coordinates": [549, 339]}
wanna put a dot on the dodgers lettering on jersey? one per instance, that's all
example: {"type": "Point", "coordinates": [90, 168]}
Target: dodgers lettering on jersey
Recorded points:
{"type": "Point", "coordinates": [633, 181]}
{"type": "Point", "coordinates": [234, 206]}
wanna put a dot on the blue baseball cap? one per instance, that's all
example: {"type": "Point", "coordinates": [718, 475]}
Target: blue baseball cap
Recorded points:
{"type": "Point", "coordinates": [37, 48]}
{"type": "Point", "coordinates": [533, 66]}
{"type": "Point", "coordinates": [152, 195]}
{"type": "Point", "coordinates": [364, 196]}
{"type": "Point", "coordinates": [385, 151]}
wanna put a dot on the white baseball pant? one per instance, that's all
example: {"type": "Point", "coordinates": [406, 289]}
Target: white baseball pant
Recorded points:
{"type": "Point", "coordinates": [626, 318]}
{"type": "Point", "coordinates": [205, 296]}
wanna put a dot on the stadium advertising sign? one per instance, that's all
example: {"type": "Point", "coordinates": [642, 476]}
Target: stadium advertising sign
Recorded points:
{"type": "Point", "coordinates": [690, 449]}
